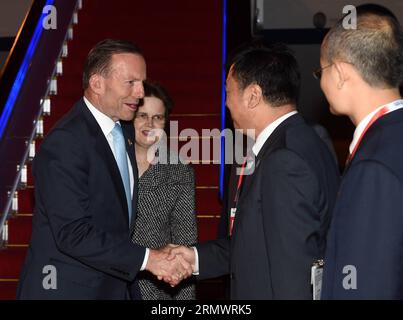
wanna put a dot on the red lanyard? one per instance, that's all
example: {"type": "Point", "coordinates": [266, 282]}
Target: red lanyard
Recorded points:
{"type": "Point", "coordinates": [376, 116]}
{"type": "Point", "coordinates": [240, 179]}
{"type": "Point", "coordinates": [238, 191]}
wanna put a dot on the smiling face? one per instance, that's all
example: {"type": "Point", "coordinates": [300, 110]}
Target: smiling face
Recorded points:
{"type": "Point", "coordinates": [121, 89]}
{"type": "Point", "coordinates": [149, 122]}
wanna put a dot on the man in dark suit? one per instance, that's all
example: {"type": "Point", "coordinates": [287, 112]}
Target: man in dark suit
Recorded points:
{"type": "Point", "coordinates": [86, 191]}
{"type": "Point", "coordinates": [231, 182]}
{"type": "Point", "coordinates": [361, 72]}
{"type": "Point", "coordinates": [283, 211]}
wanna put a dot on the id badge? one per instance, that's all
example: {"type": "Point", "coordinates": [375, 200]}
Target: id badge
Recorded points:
{"type": "Point", "coordinates": [316, 278]}
{"type": "Point", "coordinates": [231, 220]}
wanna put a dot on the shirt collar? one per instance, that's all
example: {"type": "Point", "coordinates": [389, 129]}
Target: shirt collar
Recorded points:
{"type": "Point", "coordinates": [364, 122]}
{"type": "Point", "coordinates": [266, 133]}
{"type": "Point", "coordinates": [106, 123]}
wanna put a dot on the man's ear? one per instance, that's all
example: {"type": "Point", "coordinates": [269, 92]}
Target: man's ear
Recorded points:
{"type": "Point", "coordinates": [342, 73]}
{"type": "Point", "coordinates": [254, 95]}
{"type": "Point", "coordinates": [96, 83]}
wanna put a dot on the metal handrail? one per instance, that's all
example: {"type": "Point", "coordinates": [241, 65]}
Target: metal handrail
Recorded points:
{"type": "Point", "coordinates": [7, 209]}
{"type": "Point", "coordinates": [17, 179]}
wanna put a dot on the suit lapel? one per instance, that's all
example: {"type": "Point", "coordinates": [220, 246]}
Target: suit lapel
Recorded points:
{"type": "Point", "coordinates": [275, 140]}
{"type": "Point", "coordinates": [103, 149]}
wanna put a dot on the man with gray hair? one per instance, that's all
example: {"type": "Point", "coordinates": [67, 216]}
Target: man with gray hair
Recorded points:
{"type": "Point", "coordinates": [361, 71]}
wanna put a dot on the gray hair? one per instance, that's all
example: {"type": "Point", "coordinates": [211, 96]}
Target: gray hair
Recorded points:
{"type": "Point", "coordinates": [375, 49]}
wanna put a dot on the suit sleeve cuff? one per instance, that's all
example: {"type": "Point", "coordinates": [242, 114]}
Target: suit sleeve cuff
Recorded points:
{"type": "Point", "coordinates": [196, 269]}
{"type": "Point", "coordinates": [143, 266]}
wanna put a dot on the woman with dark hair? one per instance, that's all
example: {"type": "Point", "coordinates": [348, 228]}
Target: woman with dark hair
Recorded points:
{"type": "Point", "coordinates": [166, 193]}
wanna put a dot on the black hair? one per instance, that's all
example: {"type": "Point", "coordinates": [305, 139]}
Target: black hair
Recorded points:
{"type": "Point", "coordinates": [273, 68]}
{"type": "Point", "coordinates": [152, 89]}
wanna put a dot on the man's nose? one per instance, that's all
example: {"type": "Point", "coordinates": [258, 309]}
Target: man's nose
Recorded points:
{"type": "Point", "coordinates": [138, 90]}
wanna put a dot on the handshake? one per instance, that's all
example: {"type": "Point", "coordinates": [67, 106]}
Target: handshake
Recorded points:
{"type": "Point", "coordinates": [172, 263]}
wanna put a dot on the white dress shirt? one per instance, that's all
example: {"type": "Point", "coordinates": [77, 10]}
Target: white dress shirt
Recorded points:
{"type": "Point", "coordinates": [107, 125]}
{"type": "Point", "coordinates": [266, 133]}
{"type": "Point", "coordinates": [260, 141]}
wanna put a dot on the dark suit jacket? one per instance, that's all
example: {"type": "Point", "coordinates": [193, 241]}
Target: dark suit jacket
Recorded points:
{"type": "Point", "coordinates": [80, 223]}
{"type": "Point", "coordinates": [282, 218]}
{"type": "Point", "coordinates": [367, 227]}
{"type": "Point", "coordinates": [231, 181]}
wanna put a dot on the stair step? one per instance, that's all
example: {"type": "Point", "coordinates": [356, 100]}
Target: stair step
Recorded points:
{"type": "Point", "coordinates": [8, 289]}
{"type": "Point", "coordinates": [11, 260]}
{"type": "Point", "coordinates": [208, 228]}
{"type": "Point", "coordinates": [207, 175]}
{"type": "Point", "coordinates": [30, 177]}
{"type": "Point", "coordinates": [207, 201]}
{"type": "Point", "coordinates": [193, 48]}
{"type": "Point", "coordinates": [26, 200]}
{"type": "Point", "coordinates": [20, 229]}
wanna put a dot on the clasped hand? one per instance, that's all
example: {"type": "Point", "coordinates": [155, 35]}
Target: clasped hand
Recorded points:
{"type": "Point", "coordinates": [171, 263]}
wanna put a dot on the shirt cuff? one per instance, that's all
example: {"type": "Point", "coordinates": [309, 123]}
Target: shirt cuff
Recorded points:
{"type": "Point", "coordinates": [143, 266]}
{"type": "Point", "coordinates": [196, 270]}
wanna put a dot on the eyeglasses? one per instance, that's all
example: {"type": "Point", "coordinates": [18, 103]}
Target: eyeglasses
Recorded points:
{"type": "Point", "coordinates": [317, 74]}
{"type": "Point", "coordinates": [143, 117]}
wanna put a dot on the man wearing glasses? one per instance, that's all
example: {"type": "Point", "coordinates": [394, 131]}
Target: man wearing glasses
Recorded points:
{"type": "Point", "coordinates": [360, 74]}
